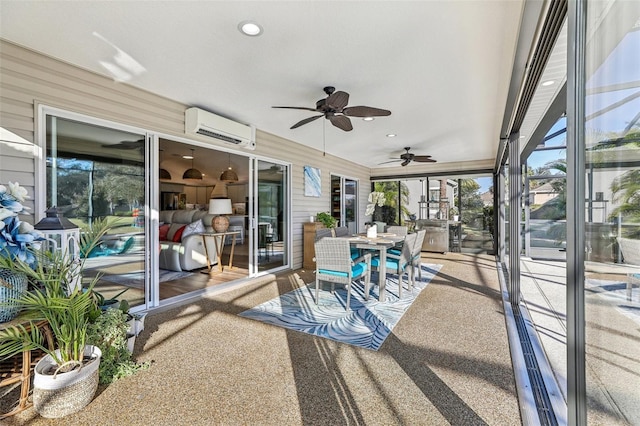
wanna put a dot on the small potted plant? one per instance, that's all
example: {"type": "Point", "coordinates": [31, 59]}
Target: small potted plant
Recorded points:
{"type": "Point", "coordinates": [453, 213]}
{"type": "Point", "coordinates": [113, 333]}
{"type": "Point", "coordinates": [326, 219]}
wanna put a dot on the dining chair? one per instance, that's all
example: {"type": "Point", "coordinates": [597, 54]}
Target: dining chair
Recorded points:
{"type": "Point", "coordinates": [341, 231]}
{"type": "Point", "coordinates": [323, 232]}
{"type": "Point", "coordinates": [398, 264]}
{"type": "Point", "coordinates": [334, 265]}
{"type": "Point", "coordinates": [400, 231]}
{"type": "Point", "coordinates": [630, 250]}
{"type": "Point", "coordinates": [416, 254]}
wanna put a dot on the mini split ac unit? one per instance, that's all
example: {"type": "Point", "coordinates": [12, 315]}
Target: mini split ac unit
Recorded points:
{"type": "Point", "coordinates": [209, 124]}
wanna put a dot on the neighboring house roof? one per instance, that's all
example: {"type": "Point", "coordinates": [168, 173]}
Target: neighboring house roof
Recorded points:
{"type": "Point", "coordinates": [487, 198]}
{"type": "Point", "coordinates": [544, 188]}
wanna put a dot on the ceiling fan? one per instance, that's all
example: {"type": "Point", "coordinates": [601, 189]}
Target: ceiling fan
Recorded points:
{"type": "Point", "coordinates": [408, 157]}
{"type": "Point", "coordinates": [139, 144]}
{"type": "Point", "coordinates": [275, 169]}
{"type": "Point", "coordinates": [334, 108]}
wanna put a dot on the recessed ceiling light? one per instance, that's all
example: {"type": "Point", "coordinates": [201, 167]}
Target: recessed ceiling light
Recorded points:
{"type": "Point", "coordinates": [548, 83]}
{"type": "Point", "coordinates": [250, 28]}
{"type": "Point", "coordinates": [188, 157]}
{"type": "Point", "coordinates": [391, 135]}
{"type": "Point", "coordinates": [368, 119]}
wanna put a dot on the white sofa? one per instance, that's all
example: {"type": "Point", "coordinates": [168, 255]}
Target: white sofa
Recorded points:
{"type": "Point", "coordinates": [189, 252]}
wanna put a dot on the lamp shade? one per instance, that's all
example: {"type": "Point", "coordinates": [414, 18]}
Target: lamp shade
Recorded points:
{"type": "Point", "coordinates": [220, 191]}
{"type": "Point", "coordinates": [164, 174]}
{"type": "Point", "coordinates": [229, 176]}
{"type": "Point", "coordinates": [220, 206]}
{"type": "Point", "coordinates": [192, 174]}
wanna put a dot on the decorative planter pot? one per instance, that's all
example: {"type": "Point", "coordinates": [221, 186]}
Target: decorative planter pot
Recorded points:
{"type": "Point", "coordinates": [12, 286]}
{"type": "Point", "coordinates": [57, 395]}
{"type": "Point", "coordinates": [131, 342]}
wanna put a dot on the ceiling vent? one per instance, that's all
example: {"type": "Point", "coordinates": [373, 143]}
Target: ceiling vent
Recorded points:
{"type": "Point", "coordinates": [205, 123]}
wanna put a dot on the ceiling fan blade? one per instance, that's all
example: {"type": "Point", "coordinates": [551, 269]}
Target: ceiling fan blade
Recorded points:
{"type": "Point", "coordinates": [305, 121]}
{"type": "Point", "coordinates": [365, 111]}
{"type": "Point", "coordinates": [337, 100]}
{"type": "Point", "coordinates": [290, 107]}
{"type": "Point", "coordinates": [341, 122]}
{"type": "Point", "coordinates": [390, 161]}
{"type": "Point", "coordinates": [405, 162]}
{"type": "Point", "coordinates": [423, 159]}
{"type": "Point", "coordinates": [126, 145]}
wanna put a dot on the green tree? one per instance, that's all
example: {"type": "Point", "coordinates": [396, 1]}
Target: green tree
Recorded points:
{"type": "Point", "coordinates": [472, 204]}
{"type": "Point", "coordinates": [626, 190]}
{"type": "Point", "coordinates": [388, 213]}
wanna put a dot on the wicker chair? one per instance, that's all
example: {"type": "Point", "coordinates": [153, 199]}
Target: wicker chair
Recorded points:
{"type": "Point", "coordinates": [400, 231]}
{"type": "Point", "coordinates": [323, 232]}
{"type": "Point", "coordinates": [341, 231]}
{"type": "Point", "coordinates": [417, 252]}
{"type": "Point", "coordinates": [397, 264]}
{"type": "Point", "coordinates": [334, 265]}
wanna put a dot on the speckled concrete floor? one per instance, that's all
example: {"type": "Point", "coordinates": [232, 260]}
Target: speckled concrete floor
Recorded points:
{"type": "Point", "coordinates": [446, 362]}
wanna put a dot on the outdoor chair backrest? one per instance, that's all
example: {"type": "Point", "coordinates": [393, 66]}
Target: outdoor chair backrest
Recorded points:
{"type": "Point", "coordinates": [342, 231]}
{"type": "Point", "coordinates": [417, 247]}
{"type": "Point", "coordinates": [398, 230]}
{"type": "Point", "coordinates": [407, 249]}
{"type": "Point", "coordinates": [630, 250]}
{"type": "Point", "coordinates": [323, 232]}
{"type": "Point", "coordinates": [333, 254]}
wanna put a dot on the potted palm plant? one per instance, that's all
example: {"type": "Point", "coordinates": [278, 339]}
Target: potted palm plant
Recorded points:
{"type": "Point", "coordinates": [66, 378]}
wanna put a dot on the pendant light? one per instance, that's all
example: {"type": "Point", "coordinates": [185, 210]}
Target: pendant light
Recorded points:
{"type": "Point", "coordinates": [164, 173]}
{"type": "Point", "coordinates": [192, 173]}
{"type": "Point", "coordinates": [229, 175]}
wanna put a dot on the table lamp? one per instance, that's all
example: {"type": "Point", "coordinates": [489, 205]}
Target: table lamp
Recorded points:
{"type": "Point", "coordinates": [220, 207]}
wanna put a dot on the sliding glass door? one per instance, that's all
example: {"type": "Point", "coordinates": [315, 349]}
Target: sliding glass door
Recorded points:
{"type": "Point", "coordinates": [95, 176]}
{"type": "Point", "coordinates": [271, 216]}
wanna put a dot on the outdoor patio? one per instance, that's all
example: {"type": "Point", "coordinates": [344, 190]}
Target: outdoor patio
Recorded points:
{"type": "Point", "coordinates": [439, 365]}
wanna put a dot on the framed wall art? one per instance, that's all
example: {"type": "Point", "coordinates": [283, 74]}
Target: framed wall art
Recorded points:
{"type": "Point", "coordinates": [312, 182]}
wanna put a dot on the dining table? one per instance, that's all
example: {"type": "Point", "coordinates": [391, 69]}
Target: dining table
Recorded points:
{"type": "Point", "coordinates": [381, 243]}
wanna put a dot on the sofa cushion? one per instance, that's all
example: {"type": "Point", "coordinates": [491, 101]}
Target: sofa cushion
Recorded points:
{"type": "Point", "coordinates": [193, 228]}
{"type": "Point", "coordinates": [163, 231]}
{"type": "Point", "coordinates": [166, 216]}
{"type": "Point", "coordinates": [183, 216]}
{"type": "Point", "coordinates": [177, 237]}
{"type": "Point", "coordinates": [173, 228]}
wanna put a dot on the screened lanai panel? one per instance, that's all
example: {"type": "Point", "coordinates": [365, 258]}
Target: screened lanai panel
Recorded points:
{"type": "Point", "coordinates": [612, 217]}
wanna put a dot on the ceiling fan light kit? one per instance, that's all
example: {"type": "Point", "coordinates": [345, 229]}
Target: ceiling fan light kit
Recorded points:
{"type": "Point", "coordinates": [334, 108]}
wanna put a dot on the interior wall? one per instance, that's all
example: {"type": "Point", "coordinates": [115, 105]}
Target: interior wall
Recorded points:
{"type": "Point", "coordinates": [28, 79]}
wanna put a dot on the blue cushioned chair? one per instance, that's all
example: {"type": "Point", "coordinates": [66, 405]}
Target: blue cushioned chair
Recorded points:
{"type": "Point", "coordinates": [398, 264]}
{"type": "Point", "coordinates": [334, 265]}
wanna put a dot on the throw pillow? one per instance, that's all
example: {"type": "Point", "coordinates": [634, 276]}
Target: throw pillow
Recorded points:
{"type": "Point", "coordinates": [164, 230]}
{"type": "Point", "coordinates": [177, 237]}
{"type": "Point", "coordinates": [193, 228]}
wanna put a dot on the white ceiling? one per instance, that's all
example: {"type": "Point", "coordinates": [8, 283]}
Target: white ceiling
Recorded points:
{"type": "Point", "coordinates": [442, 67]}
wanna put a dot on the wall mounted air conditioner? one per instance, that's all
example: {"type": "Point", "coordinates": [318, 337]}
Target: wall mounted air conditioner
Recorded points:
{"type": "Point", "coordinates": [206, 123]}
